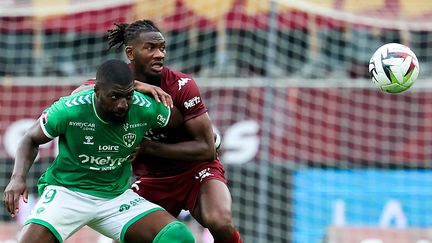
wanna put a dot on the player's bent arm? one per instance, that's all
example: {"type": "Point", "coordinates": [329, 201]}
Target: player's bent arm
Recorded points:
{"type": "Point", "coordinates": [28, 149]}
{"type": "Point", "coordinates": [26, 153]}
{"type": "Point", "coordinates": [200, 149]}
{"type": "Point", "coordinates": [176, 118]}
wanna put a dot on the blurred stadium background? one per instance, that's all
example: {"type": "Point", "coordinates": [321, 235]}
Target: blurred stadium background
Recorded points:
{"type": "Point", "coordinates": [313, 152]}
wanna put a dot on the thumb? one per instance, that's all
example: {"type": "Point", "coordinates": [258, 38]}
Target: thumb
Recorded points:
{"type": "Point", "coordinates": [25, 196]}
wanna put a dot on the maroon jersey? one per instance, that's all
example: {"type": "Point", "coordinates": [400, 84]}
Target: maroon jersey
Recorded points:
{"type": "Point", "coordinates": [187, 98]}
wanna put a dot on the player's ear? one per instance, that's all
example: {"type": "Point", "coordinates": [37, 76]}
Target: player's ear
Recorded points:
{"type": "Point", "coordinates": [129, 52]}
{"type": "Point", "coordinates": [97, 90]}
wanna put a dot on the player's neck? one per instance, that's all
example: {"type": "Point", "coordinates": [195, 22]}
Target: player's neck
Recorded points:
{"type": "Point", "coordinates": [101, 114]}
{"type": "Point", "coordinates": [104, 116]}
{"type": "Point", "coordinates": [149, 79]}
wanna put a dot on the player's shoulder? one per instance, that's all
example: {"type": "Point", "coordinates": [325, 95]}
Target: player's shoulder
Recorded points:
{"type": "Point", "coordinates": [178, 82]}
{"type": "Point", "coordinates": [171, 76]}
{"type": "Point", "coordinates": [77, 100]}
{"type": "Point", "coordinates": [142, 100]}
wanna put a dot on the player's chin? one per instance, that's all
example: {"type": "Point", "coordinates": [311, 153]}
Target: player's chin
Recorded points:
{"type": "Point", "coordinates": [153, 75]}
{"type": "Point", "coordinates": [119, 116]}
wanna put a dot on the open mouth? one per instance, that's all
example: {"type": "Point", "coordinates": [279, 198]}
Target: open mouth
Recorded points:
{"type": "Point", "coordinates": [157, 67]}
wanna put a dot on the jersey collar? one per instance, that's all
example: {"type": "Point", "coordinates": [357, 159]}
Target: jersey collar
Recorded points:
{"type": "Point", "coordinates": [94, 109]}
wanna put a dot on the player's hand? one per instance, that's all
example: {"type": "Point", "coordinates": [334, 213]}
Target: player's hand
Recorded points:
{"type": "Point", "coordinates": [158, 94]}
{"type": "Point", "coordinates": [16, 187]}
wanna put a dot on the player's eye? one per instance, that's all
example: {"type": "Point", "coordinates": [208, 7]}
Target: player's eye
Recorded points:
{"type": "Point", "coordinates": [114, 97]}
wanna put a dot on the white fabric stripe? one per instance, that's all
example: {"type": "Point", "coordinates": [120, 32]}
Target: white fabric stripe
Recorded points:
{"type": "Point", "coordinates": [94, 109]}
{"type": "Point", "coordinates": [44, 129]}
{"type": "Point", "coordinates": [169, 116]}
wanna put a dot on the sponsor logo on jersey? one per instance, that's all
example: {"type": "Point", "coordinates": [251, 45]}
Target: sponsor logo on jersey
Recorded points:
{"type": "Point", "coordinates": [109, 148]}
{"type": "Point", "coordinates": [86, 126]}
{"type": "Point", "coordinates": [105, 163]}
{"type": "Point", "coordinates": [192, 102]}
{"type": "Point", "coordinates": [161, 119]}
{"type": "Point", "coordinates": [129, 139]}
{"type": "Point", "coordinates": [128, 126]}
{"type": "Point", "coordinates": [88, 140]}
{"type": "Point", "coordinates": [182, 82]}
{"type": "Point", "coordinates": [203, 174]}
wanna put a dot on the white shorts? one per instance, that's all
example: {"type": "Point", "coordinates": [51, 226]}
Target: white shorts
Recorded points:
{"type": "Point", "coordinates": [64, 212]}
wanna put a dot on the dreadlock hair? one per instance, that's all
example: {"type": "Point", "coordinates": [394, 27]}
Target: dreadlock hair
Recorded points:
{"type": "Point", "coordinates": [125, 32]}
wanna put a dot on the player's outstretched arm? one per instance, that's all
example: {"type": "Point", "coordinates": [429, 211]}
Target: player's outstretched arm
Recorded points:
{"type": "Point", "coordinates": [26, 153]}
{"type": "Point", "coordinates": [200, 148]}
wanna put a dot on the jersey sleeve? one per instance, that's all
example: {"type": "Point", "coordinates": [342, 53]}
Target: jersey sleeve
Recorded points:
{"type": "Point", "coordinates": [156, 114]}
{"type": "Point", "coordinates": [53, 120]}
{"type": "Point", "coordinates": [188, 99]}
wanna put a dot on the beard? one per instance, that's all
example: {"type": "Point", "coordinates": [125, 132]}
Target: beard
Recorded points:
{"type": "Point", "coordinates": [118, 119]}
{"type": "Point", "coordinates": [153, 78]}
{"type": "Point", "coordinates": [112, 118]}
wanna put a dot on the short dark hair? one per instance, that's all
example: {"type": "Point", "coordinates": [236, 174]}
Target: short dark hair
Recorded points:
{"type": "Point", "coordinates": [114, 72]}
{"type": "Point", "coordinates": [125, 33]}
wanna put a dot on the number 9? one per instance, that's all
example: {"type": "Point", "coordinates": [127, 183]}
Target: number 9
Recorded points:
{"type": "Point", "coordinates": [49, 196]}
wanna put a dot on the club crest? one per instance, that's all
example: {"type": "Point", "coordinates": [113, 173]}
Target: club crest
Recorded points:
{"type": "Point", "coordinates": [129, 139]}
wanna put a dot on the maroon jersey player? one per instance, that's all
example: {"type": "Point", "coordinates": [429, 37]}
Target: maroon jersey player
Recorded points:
{"type": "Point", "coordinates": [177, 169]}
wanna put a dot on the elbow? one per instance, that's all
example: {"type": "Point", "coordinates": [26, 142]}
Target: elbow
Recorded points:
{"type": "Point", "coordinates": [205, 153]}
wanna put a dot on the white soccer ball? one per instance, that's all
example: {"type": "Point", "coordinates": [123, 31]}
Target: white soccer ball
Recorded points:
{"type": "Point", "coordinates": [394, 68]}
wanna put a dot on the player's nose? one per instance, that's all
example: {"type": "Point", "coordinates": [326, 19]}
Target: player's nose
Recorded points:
{"type": "Point", "coordinates": [122, 105]}
{"type": "Point", "coordinates": [159, 53]}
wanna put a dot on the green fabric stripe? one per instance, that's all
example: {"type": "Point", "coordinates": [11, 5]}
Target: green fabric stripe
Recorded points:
{"type": "Point", "coordinates": [47, 225]}
{"type": "Point", "coordinates": [132, 221]}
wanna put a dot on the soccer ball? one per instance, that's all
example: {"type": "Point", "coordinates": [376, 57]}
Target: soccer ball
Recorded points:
{"type": "Point", "coordinates": [394, 68]}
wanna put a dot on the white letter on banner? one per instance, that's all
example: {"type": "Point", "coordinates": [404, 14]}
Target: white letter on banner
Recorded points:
{"type": "Point", "coordinates": [240, 142]}
{"type": "Point", "coordinates": [393, 210]}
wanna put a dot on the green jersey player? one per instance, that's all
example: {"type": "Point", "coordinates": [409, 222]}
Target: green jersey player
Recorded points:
{"type": "Point", "coordinates": [87, 183]}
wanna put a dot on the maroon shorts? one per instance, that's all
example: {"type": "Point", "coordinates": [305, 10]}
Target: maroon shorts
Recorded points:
{"type": "Point", "coordinates": [181, 191]}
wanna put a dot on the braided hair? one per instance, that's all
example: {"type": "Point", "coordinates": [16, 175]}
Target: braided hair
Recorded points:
{"type": "Point", "coordinates": [124, 33]}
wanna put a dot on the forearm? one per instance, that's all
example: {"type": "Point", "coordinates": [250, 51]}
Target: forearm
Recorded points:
{"type": "Point", "coordinates": [26, 154]}
{"type": "Point", "coordinates": [194, 151]}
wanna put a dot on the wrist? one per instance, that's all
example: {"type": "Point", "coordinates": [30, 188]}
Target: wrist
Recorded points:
{"type": "Point", "coordinates": [18, 177]}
